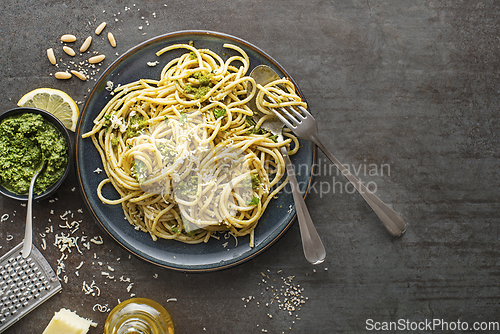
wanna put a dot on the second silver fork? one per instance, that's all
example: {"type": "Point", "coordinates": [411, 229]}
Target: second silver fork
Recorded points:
{"type": "Point", "coordinates": [303, 124]}
{"type": "Point", "coordinates": [314, 250]}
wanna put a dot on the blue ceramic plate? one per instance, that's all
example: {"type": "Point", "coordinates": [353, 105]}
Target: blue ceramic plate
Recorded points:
{"type": "Point", "coordinates": [216, 254]}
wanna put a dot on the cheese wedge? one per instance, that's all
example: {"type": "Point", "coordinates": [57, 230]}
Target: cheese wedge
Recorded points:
{"type": "Point", "coordinates": [67, 322]}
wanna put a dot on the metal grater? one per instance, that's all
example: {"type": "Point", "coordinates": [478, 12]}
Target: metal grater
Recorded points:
{"type": "Point", "coordinates": [24, 284]}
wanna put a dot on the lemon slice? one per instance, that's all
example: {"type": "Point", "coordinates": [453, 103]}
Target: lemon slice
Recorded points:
{"type": "Point", "coordinates": [56, 102]}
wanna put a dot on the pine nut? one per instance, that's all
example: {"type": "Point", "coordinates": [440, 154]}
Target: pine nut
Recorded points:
{"type": "Point", "coordinates": [111, 39]}
{"type": "Point", "coordinates": [69, 50]}
{"type": "Point", "coordinates": [51, 56]}
{"type": "Point", "coordinates": [79, 75]}
{"type": "Point", "coordinates": [68, 38]}
{"type": "Point", "coordinates": [96, 59]}
{"type": "Point", "coordinates": [86, 44]}
{"type": "Point", "coordinates": [100, 28]}
{"type": "Point", "coordinates": [62, 75]}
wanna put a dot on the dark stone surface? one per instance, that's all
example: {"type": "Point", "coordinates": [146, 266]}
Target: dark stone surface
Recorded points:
{"type": "Point", "coordinates": [408, 91]}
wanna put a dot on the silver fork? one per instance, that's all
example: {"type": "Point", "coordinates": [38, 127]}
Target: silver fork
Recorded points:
{"type": "Point", "coordinates": [305, 126]}
{"type": "Point", "coordinates": [314, 250]}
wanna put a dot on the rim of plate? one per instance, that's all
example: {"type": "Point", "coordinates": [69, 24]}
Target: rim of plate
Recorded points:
{"type": "Point", "coordinates": [95, 91]}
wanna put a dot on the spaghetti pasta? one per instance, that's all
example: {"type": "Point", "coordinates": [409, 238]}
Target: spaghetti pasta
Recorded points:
{"type": "Point", "coordinates": [184, 152]}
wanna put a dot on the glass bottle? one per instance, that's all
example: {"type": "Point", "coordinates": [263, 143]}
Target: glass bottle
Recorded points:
{"type": "Point", "coordinates": [139, 316]}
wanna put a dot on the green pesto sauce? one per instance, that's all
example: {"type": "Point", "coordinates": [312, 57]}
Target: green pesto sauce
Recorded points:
{"type": "Point", "coordinates": [252, 127]}
{"type": "Point", "coordinates": [139, 170]}
{"type": "Point", "coordinates": [253, 181]}
{"type": "Point", "coordinates": [218, 112]}
{"type": "Point", "coordinates": [205, 85]}
{"type": "Point", "coordinates": [25, 141]}
{"type": "Point", "coordinates": [188, 187]}
{"type": "Point", "coordinates": [198, 92]}
{"type": "Point", "coordinates": [167, 152]}
{"type": "Point", "coordinates": [137, 123]}
{"type": "Point", "coordinates": [115, 142]}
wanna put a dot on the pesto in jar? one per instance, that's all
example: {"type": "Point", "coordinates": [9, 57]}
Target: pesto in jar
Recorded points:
{"type": "Point", "coordinates": [25, 141]}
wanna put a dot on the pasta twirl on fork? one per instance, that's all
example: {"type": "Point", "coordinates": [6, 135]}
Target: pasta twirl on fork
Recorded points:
{"type": "Point", "coordinates": [184, 152]}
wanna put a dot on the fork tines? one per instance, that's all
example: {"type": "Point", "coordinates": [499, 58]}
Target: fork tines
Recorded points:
{"type": "Point", "coordinates": [289, 115]}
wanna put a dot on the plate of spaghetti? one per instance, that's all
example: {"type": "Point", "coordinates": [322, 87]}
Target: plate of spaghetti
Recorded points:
{"type": "Point", "coordinates": [174, 164]}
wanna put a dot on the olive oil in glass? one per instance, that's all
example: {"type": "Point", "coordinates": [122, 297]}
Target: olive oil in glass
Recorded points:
{"type": "Point", "coordinates": [139, 316]}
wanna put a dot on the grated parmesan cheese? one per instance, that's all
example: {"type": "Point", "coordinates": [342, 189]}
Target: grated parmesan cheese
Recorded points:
{"type": "Point", "coordinates": [97, 240]}
{"type": "Point", "coordinates": [101, 308]}
{"type": "Point", "coordinates": [91, 289]}
{"type": "Point", "coordinates": [109, 85]}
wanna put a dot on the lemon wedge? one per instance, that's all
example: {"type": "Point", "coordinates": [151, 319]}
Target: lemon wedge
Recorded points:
{"type": "Point", "coordinates": [56, 102]}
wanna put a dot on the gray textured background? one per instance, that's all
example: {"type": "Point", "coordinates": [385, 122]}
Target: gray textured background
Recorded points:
{"type": "Point", "coordinates": [409, 85]}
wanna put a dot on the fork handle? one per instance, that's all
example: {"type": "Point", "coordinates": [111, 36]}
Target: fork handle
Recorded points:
{"type": "Point", "coordinates": [394, 223]}
{"type": "Point", "coordinates": [314, 250]}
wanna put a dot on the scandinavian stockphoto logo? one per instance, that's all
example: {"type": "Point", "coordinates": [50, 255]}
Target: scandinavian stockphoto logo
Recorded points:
{"type": "Point", "coordinates": [210, 184]}
{"type": "Point", "coordinates": [328, 179]}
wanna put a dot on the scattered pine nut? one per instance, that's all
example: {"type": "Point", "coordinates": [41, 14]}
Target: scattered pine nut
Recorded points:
{"type": "Point", "coordinates": [68, 38]}
{"type": "Point", "coordinates": [51, 56]}
{"type": "Point", "coordinates": [86, 44]}
{"type": "Point", "coordinates": [69, 50]}
{"type": "Point", "coordinates": [96, 59]}
{"type": "Point", "coordinates": [62, 75]}
{"type": "Point", "coordinates": [111, 39]}
{"type": "Point", "coordinates": [79, 75]}
{"type": "Point", "coordinates": [100, 28]}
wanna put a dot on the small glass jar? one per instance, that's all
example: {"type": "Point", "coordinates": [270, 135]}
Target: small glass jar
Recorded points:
{"type": "Point", "coordinates": [139, 316]}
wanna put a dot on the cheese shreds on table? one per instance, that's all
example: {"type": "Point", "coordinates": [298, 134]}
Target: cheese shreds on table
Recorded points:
{"type": "Point", "coordinates": [68, 322]}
